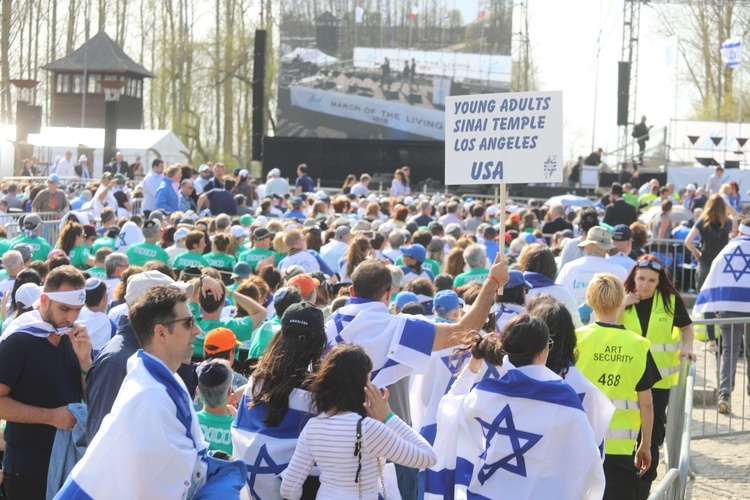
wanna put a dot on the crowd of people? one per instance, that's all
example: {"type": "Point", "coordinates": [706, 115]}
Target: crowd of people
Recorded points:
{"type": "Point", "coordinates": [224, 334]}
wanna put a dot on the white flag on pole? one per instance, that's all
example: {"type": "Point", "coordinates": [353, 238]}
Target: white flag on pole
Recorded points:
{"type": "Point", "coordinates": [671, 51]}
{"type": "Point", "coordinates": [731, 52]}
{"type": "Point", "coordinates": [359, 14]}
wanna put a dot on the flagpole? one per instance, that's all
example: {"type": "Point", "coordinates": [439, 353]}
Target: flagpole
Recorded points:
{"type": "Point", "coordinates": [504, 208]}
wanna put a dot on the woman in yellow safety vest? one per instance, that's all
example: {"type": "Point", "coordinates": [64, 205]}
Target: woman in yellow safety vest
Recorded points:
{"type": "Point", "coordinates": [655, 309]}
{"type": "Point", "coordinates": [619, 363]}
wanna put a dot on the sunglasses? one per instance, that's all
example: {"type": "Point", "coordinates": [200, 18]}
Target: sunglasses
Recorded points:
{"type": "Point", "coordinates": [188, 322]}
{"type": "Point", "coordinates": [649, 263]}
{"type": "Point", "coordinates": [550, 344]}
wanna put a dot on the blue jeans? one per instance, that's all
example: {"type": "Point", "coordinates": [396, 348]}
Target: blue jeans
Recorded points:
{"type": "Point", "coordinates": [407, 482]}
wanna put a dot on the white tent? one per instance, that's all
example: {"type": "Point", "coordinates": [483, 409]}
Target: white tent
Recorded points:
{"type": "Point", "coordinates": [149, 144]}
{"type": "Point", "coordinates": [309, 56]}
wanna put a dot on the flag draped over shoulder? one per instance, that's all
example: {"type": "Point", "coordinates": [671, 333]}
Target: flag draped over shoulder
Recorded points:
{"type": "Point", "coordinates": [398, 345]}
{"type": "Point", "coordinates": [428, 389]}
{"type": "Point", "coordinates": [599, 409]}
{"type": "Point", "coordinates": [727, 286]}
{"type": "Point", "coordinates": [30, 323]}
{"type": "Point", "coordinates": [268, 450]}
{"type": "Point", "coordinates": [523, 435]}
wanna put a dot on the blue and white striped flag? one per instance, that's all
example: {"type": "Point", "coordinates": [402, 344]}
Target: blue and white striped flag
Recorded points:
{"type": "Point", "coordinates": [731, 52]}
{"type": "Point", "coordinates": [727, 286]}
{"type": "Point", "coordinates": [268, 450]}
{"type": "Point", "coordinates": [398, 345]}
{"type": "Point", "coordinates": [524, 435]}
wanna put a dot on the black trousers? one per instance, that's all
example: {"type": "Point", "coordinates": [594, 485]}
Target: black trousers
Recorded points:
{"type": "Point", "coordinates": [25, 487]}
{"type": "Point", "coordinates": [659, 432]}
{"type": "Point", "coordinates": [621, 477]}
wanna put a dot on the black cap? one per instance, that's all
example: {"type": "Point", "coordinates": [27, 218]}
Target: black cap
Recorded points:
{"type": "Point", "coordinates": [261, 233]}
{"type": "Point", "coordinates": [302, 319]}
{"type": "Point", "coordinates": [213, 373]}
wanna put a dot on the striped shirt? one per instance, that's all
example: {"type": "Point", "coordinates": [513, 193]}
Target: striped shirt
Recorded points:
{"type": "Point", "coordinates": [329, 441]}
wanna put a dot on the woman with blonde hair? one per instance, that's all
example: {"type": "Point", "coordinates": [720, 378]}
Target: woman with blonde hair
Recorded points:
{"type": "Point", "coordinates": [372, 212]}
{"type": "Point", "coordinates": [359, 250]}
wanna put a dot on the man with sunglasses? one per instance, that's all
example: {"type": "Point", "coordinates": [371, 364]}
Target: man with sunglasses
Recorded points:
{"type": "Point", "coordinates": [44, 357]}
{"type": "Point", "coordinates": [110, 366]}
{"type": "Point", "coordinates": [152, 436]}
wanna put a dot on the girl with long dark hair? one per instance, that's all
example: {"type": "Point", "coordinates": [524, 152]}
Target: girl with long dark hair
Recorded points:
{"type": "Point", "coordinates": [354, 434]}
{"type": "Point", "coordinates": [277, 402]}
{"type": "Point", "coordinates": [655, 309]}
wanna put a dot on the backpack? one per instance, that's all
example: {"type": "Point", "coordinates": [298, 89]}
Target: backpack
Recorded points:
{"type": "Point", "coordinates": [713, 238]}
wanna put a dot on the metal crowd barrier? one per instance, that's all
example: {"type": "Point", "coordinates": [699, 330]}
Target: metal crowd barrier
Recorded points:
{"type": "Point", "coordinates": [711, 423]}
{"type": "Point", "coordinates": [679, 262]}
{"type": "Point", "coordinates": [677, 439]}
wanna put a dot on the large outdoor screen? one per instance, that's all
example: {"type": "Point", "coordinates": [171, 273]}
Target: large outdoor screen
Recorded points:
{"type": "Point", "coordinates": [381, 69]}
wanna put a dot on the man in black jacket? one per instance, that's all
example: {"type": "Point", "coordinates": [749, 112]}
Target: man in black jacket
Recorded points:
{"type": "Point", "coordinates": [119, 166]}
{"type": "Point", "coordinates": [557, 221]}
{"type": "Point", "coordinates": [619, 211]}
{"type": "Point", "coordinates": [640, 133]}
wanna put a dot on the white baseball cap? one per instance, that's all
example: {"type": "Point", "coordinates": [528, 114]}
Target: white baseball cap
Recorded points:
{"type": "Point", "coordinates": [27, 294]}
{"type": "Point", "coordinates": [203, 168]}
{"type": "Point", "coordinates": [139, 283]}
{"type": "Point", "coordinates": [275, 172]}
{"type": "Point", "coordinates": [244, 173]}
{"type": "Point", "coordinates": [237, 231]}
{"type": "Point", "coordinates": [691, 187]}
{"type": "Point", "coordinates": [180, 234]}
{"type": "Point", "coordinates": [408, 200]}
{"type": "Point", "coordinates": [83, 158]}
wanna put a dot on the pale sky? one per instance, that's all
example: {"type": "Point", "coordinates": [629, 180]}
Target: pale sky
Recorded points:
{"type": "Point", "coordinates": [563, 37]}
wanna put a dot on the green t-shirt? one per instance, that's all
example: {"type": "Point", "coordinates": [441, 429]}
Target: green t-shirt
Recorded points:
{"type": "Point", "coordinates": [469, 276]}
{"type": "Point", "coordinates": [143, 252]}
{"type": "Point", "coordinates": [242, 328]}
{"type": "Point", "coordinates": [103, 242]}
{"type": "Point", "coordinates": [189, 259]}
{"type": "Point", "coordinates": [430, 264]}
{"type": "Point", "coordinates": [255, 255]}
{"type": "Point", "coordinates": [78, 256]}
{"type": "Point", "coordinates": [220, 261]}
{"type": "Point", "coordinates": [261, 340]}
{"type": "Point", "coordinates": [216, 431]}
{"type": "Point", "coordinates": [39, 246]}
{"type": "Point", "coordinates": [98, 272]}
{"type": "Point", "coordinates": [5, 245]}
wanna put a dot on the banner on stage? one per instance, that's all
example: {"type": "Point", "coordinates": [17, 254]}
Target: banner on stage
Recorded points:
{"type": "Point", "coordinates": [512, 138]}
{"type": "Point", "coordinates": [406, 118]}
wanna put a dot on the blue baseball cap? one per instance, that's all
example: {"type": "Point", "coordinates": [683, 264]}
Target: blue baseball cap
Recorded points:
{"type": "Point", "coordinates": [241, 270]}
{"type": "Point", "coordinates": [296, 201]}
{"type": "Point", "coordinates": [416, 251]}
{"type": "Point", "coordinates": [446, 301]}
{"type": "Point", "coordinates": [515, 278]}
{"type": "Point", "coordinates": [53, 178]}
{"type": "Point", "coordinates": [404, 298]}
{"type": "Point", "coordinates": [621, 232]}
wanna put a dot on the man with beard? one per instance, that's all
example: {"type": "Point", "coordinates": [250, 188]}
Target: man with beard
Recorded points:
{"type": "Point", "coordinates": [44, 359]}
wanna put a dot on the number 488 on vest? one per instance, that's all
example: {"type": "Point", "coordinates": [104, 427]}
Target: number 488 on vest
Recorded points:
{"type": "Point", "coordinates": [609, 379]}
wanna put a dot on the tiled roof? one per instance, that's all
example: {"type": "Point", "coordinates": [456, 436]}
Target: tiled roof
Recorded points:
{"type": "Point", "coordinates": [99, 53]}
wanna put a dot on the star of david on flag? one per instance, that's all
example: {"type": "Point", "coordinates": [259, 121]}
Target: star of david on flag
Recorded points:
{"type": "Point", "coordinates": [731, 52]}
{"type": "Point", "coordinates": [514, 462]}
{"type": "Point", "coordinates": [271, 467]}
{"type": "Point", "coordinates": [737, 263]}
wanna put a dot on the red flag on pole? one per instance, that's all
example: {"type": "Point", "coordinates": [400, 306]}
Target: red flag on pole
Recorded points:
{"type": "Point", "coordinates": [414, 12]}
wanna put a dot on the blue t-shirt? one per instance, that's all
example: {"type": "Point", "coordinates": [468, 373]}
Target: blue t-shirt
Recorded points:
{"type": "Point", "coordinates": [294, 214]}
{"type": "Point", "coordinates": [222, 202]}
{"type": "Point", "coordinates": [306, 183]}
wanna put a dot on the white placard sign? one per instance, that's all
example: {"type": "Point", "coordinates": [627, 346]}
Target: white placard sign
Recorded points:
{"type": "Point", "coordinates": [512, 138]}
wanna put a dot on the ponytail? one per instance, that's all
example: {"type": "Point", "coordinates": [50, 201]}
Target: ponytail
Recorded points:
{"type": "Point", "coordinates": [486, 347]}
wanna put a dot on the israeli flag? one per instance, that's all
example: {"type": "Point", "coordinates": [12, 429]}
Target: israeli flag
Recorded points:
{"type": "Point", "coordinates": [398, 345]}
{"type": "Point", "coordinates": [599, 409]}
{"type": "Point", "coordinates": [731, 52]}
{"type": "Point", "coordinates": [523, 435]}
{"type": "Point", "coordinates": [268, 450]}
{"type": "Point", "coordinates": [428, 389]}
{"type": "Point", "coordinates": [727, 286]}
